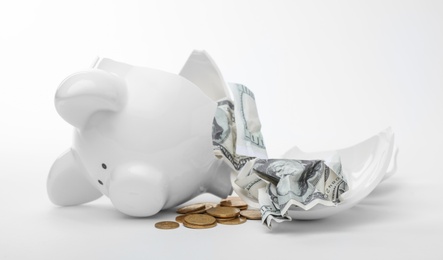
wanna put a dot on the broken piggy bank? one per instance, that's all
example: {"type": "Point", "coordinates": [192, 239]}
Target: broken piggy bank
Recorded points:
{"type": "Point", "coordinates": [143, 137]}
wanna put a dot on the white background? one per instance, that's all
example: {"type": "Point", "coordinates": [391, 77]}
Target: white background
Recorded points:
{"type": "Point", "coordinates": [326, 75]}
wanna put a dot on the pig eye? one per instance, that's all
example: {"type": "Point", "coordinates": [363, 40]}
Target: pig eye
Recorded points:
{"type": "Point", "coordinates": [104, 166]}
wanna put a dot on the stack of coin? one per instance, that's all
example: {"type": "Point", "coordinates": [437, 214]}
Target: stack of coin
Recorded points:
{"type": "Point", "coordinates": [227, 215]}
{"type": "Point", "coordinates": [251, 214]}
{"type": "Point", "coordinates": [230, 211]}
{"type": "Point", "coordinates": [199, 221]}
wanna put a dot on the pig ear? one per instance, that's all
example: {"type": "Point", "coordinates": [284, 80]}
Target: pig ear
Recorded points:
{"type": "Point", "coordinates": [84, 93]}
{"type": "Point", "coordinates": [201, 70]}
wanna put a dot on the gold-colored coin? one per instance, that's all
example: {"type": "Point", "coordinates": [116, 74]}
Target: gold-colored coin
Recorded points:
{"type": "Point", "coordinates": [225, 219]}
{"type": "Point", "coordinates": [233, 198]}
{"type": "Point", "coordinates": [223, 212]}
{"type": "Point", "coordinates": [203, 210]}
{"type": "Point", "coordinates": [211, 205]}
{"type": "Point", "coordinates": [191, 208]}
{"type": "Point", "coordinates": [235, 221]}
{"type": "Point", "coordinates": [251, 214]}
{"type": "Point", "coordinates": [199, 219]}
{"type": "Point", "coordinates": [225, 203]}
{"type": "Point", "coordinates": [180, 218]}
{"type": "Point", "coordinates": [234, 203]}
{"type": "Point", "coordinates": [229, 199]}
{"type": "Point", "coordinates": [221, 220]}
{"type": "Point", "coordinates": [167, 225]}
{"type": "Point", "coordinates": [186, 224]}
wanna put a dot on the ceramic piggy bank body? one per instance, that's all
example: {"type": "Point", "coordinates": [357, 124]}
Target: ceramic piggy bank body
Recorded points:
{"type": "Point", "coordinates": [143, 137]}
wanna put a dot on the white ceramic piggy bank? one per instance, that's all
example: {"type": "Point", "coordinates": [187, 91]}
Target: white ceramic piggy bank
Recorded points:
{"type": "Point", "coordinates": [143, 137]}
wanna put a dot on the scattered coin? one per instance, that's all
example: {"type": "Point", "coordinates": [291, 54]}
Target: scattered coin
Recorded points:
{"type": "Point", "coordinates": [230, 211]}
{"type": "Point", "coordinates": [203, 210]}
{"type": "Point", "coordinates": [167, 225]}
{"type": "Point", "coordinates": [186, 224]}
{"type": "Point", "coordinates": [226, 218]}
{"type": "Point", "coordinates": [234, 202]}
{"type": "Point", "coordinates": [180, 218]}
{"type": "Point", "coordinates": [225, 203]}
{"type": "Point", "coordinates": [235, 221]}
{"type": "Point", "coordinates": [211, 205]}
{"type": "Point", "coordinates": [223, 212]}
{"type": "Point", "coordinates": [230, 198]}
{"type": "Point", "coordinates": [191, 208]}
{"type": "Point", "coordinates": [239, 204]}
{"type": "Point", "coordinates": [199, 219]}
{"type": "Point", "coordinates": [251, 214]}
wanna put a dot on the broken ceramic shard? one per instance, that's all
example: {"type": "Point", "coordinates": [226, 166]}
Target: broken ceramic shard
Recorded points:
{"type": "Point", "coordinates": [363, 166]}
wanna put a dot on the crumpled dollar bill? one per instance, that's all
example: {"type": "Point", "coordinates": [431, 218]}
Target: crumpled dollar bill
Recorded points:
{"type": "Point", "coordinates": [277, 184]}
{"type": "Point", "coordinates": [281, 184]}
{"type": "Point", "coordinates": [249, 140]}
{"type": "Point", "coordinates": [269, 206]}
{"type": "Point", "coordinates": [302, 183]}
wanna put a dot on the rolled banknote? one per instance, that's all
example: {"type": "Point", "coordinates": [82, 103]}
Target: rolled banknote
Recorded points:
{"type": "Point", "coordinates": [224, 136]}
{"type": "Point", "coordinates": [238, 141]}
{"type": "Point", "coordinates": [249, 140]}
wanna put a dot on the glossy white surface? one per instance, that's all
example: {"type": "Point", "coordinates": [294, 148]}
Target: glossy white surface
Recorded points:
{"type": "Point", "coordinates": [143, 137]}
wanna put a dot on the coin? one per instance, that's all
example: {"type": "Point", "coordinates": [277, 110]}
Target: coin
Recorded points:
{"type": "Point", "coordinates": [203, 210]}
{"type": "Point", "coordinates": [220, 220]}
{"type": "Point", "coordinates": [237, 203]}
{"type": "Point", "coordinates": [211, 205]}
{"type": "Point", "coordinates": [235, 221]}
{"type": "Point", "coordinates": [199, 219]}
{"type": "Point", "coordinates": [225, 203]}
{"type": "Point", "coordinates": [233, 198]}
{"type": "Point", "coordinates": [251, 214]}
{"type": "Point", "coordinates": [242, 207]}
{"type": "Point", "coordinates": [186, 224]}
{"type": "Point", "coordinates": [190, 208]}
{"type": "Point", "coordinates": [226, 218]}
{"type": "Point", "coordinates": [223, 212]}
{"type": "Point", "coordinates": [167, 225]}
{"type": "Point", "coordinates": [208, 214]}
{"type": "Point", "coordinates": [180, 218]}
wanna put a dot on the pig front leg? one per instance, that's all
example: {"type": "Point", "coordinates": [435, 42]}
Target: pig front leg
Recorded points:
{"type": "Point", "coordinates": [67, 184]}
